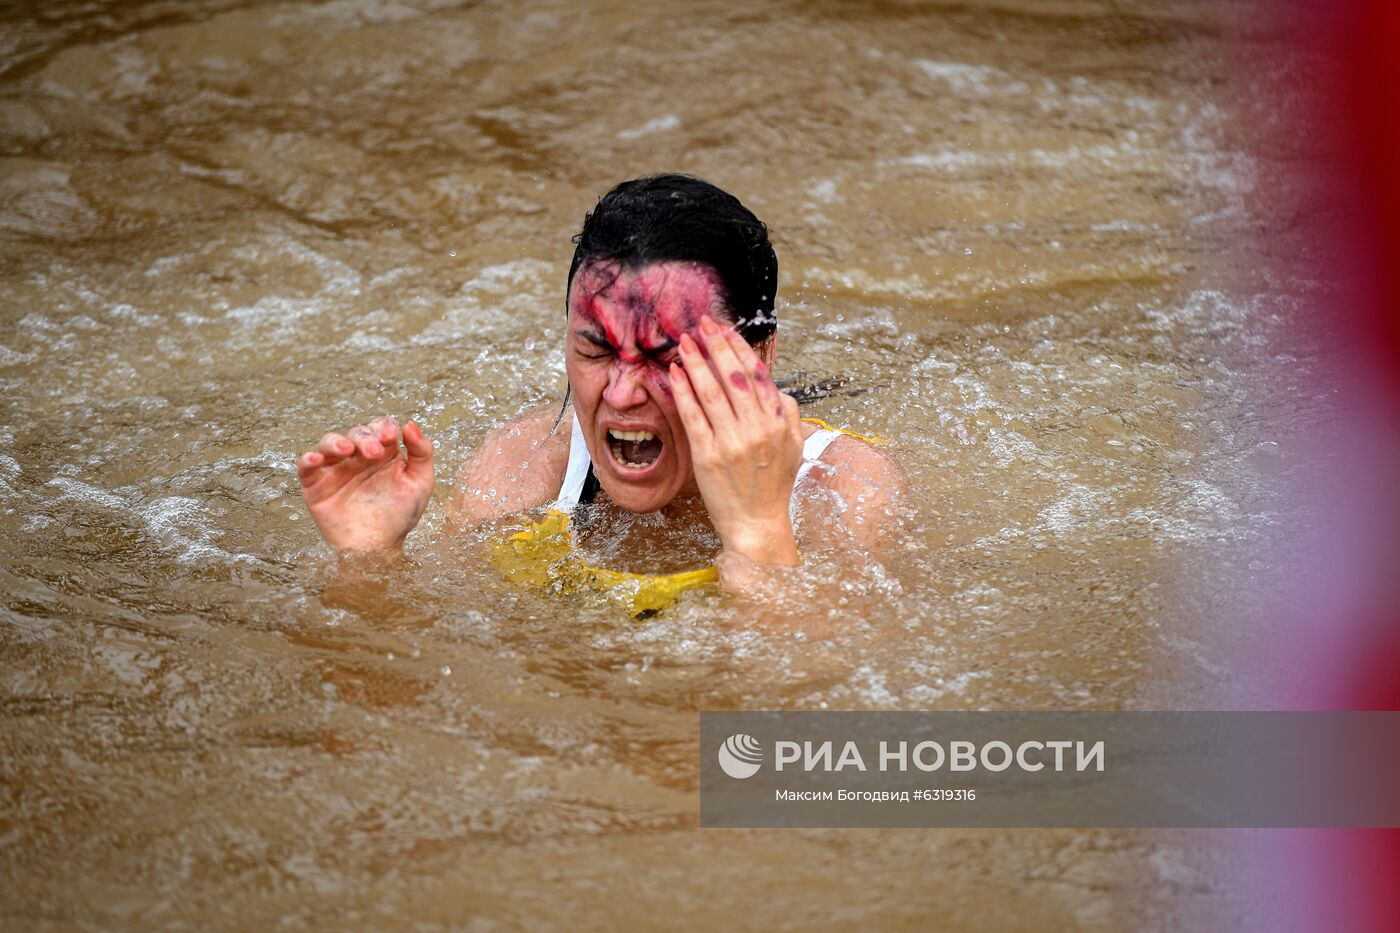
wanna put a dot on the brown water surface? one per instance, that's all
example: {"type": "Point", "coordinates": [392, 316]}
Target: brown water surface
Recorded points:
{"type": "Point", "coordinates": [230, 226]}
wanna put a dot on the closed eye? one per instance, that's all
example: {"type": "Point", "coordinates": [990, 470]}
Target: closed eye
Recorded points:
{"type": "Point", "coordinates": [663, 353]}
{"type": "Point", "coordinates": [596, 341]}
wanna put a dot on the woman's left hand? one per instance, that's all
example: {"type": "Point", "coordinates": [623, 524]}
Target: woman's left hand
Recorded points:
{"type": "Point", "coordinates": [745, 443]}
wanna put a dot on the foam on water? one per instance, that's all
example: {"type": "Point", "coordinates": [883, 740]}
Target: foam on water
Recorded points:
{"type": "Point", "coordinates": [656, 125]}
{"type": "Point", "coordinates": [963, 78]}
{"type": "Point", "coordinates": [181, 526]}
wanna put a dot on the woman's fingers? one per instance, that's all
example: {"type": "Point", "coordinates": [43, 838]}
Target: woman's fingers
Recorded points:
{"type": "Point", "coordinates": [374, 442]}
{"type": "Point", "coordinates": [366, 442]}
{"type": "Point", "coordinates": [787, 408]}
{"type": "Point", "coordinates": [386, 434]}
{"type": "Point", "coordinates": [307, 465]}
{"type": "Point", "coordinates": [734, 373]}
{"type": "Point", "coordinates": [759, 376]}
{"type": "Point", "coordinates": [705, 388]}
{"type": "Point", "coordinates": [386, 431]}
{"type": "Point", "coordinates": [335, 447]}
{"type": "Point", "coordinates": [366, 447]}
{"type": "Point", "coordinates": [697, 426]}
{"type": "Point", "coordinates": [420, 452]}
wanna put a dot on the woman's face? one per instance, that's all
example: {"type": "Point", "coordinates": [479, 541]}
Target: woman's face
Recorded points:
{"type": "Point", "coordinates": [624, 327]}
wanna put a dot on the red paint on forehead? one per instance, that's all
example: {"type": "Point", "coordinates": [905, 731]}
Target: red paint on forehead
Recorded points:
{"type": "Point", "coordinates": [642, 310]}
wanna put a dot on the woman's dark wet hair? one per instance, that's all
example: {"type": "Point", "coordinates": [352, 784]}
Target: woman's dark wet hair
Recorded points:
{"type": "Point", "coordinates": [679, 218]}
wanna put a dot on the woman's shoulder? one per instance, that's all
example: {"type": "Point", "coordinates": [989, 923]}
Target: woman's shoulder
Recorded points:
{"type": "Point", "coordinates": [857, 459]}
{"type": "Point", "coordinates": [850, 452]}
{"type": "Point", "coordinates": [518, 466]}
{"type": "Point", "coordinates": [868, 480]}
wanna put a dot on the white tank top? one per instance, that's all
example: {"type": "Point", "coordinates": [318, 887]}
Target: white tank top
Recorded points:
{"type": "Point", "coordinates": [576, 474]}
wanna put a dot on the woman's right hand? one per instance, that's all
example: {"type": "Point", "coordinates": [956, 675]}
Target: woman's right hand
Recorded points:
{"type": "Point", "coordinates": [365, 491]}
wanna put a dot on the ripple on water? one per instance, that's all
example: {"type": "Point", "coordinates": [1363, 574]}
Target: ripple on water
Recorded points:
{"type": "Point", "coordinates": [182, 527]}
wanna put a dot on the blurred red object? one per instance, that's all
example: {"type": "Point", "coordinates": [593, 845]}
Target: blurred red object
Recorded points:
{"type": "Point", "coordinates": [1364, 44]}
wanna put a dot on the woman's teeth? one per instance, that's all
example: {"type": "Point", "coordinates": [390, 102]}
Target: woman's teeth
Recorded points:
{"type": "Point", "coordinates": [636, 449]}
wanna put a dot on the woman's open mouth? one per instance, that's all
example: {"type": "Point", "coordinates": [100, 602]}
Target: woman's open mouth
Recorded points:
{"type": "Point", "coordinates": [634, 450]}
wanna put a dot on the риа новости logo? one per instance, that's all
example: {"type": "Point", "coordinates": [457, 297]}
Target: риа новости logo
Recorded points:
{"type": "Point", "coordinates": [740, 756]}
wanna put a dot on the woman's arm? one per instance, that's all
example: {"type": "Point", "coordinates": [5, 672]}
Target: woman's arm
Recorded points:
{"type": "Point", "coordinates": [519, 466]}
{"type": "Point", "coordinates": [852, 515]}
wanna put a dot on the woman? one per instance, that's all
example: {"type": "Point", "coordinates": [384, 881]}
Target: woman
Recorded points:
{"type": "Point", "coordinates": [670, 344]}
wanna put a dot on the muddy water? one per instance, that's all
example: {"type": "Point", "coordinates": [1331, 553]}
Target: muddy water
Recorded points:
{"type": "Point", "coordinates": [230, 226]}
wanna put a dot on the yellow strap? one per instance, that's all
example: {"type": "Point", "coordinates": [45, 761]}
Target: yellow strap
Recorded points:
{"type": "Point", "coordinates": [822, 424]}
{"type": "Point", "coordinates": [542, 554]}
